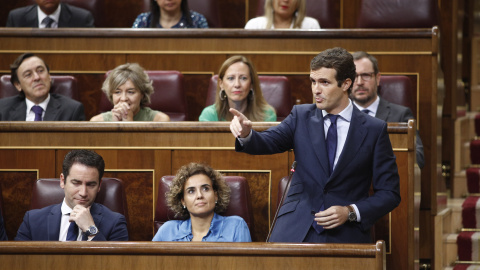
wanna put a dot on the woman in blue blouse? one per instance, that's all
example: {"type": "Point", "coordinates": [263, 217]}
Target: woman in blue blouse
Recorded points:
{"type": "Point", "coordinates": [170, 14]}
{"type": "Point", "coordinates": [197, 194]}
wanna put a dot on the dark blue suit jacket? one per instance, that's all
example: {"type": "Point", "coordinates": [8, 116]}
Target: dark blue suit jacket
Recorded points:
{"type": "Point", "coordinates": [59, 108]}
{"type": "Point", "coordinates": [367, 158]}
{"type": "Point", "coordinates": [70, 16]}
{"type": "Point", "coordinates": [391, 112]}
{"type": "Point", "coordinates": [44, 224]}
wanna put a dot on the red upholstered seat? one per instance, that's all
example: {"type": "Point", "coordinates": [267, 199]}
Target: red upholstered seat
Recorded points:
{"type": "Point", "coordinates": [275, 90]}
{"type": "Point", "coordinates": [475, 151]}
{"type": "Point", "coordinates": [112, 194]}
{"type": "Point", "coordinates": [473, 180]}
{"type": "Point", "coordinates": [327, 12]}
{"type": "Point", "coordinates": [240, 202]}
{"type": "Point", "coordinates": [169, 96]}
{"type": "Point", "coordinates": [398, 90]}
{"type": "Point", "coordinates": [96, 7]}
{"type": "Point", "coordinates": [208, 8]}
{"type": "Point", "coordinates": [63, 85]}
{"type": "Point", "coordinates": [398, 14]}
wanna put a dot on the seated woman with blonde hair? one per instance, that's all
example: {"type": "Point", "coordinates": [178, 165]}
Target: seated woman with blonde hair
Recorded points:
{"type": "Point", "coordinates": [197, 194]}
{"type": "Point", "coordinates": [238, 87]}
{"type": "Point", "coordinates": [128, 88]}
{"type": "Point", "coordinates": [286, 14]}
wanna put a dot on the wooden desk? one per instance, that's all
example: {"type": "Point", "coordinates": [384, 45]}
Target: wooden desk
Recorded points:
{"type": "Point", "coordinates": [187, 255]}
{"type": "Point", "coordinates": [141, 153]}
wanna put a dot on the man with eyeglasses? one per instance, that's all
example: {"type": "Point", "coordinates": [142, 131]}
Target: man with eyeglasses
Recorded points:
{"type": "Point", "coordinates": [365, 97]}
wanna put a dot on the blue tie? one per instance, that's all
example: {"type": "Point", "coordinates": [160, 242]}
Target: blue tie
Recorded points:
{"type": "Point", "coordinates": [72, 234]}
{"type": "Point", "coordinates": [48, 22]}
{"type": "Point", "coordinates": [38, 112]}
{"type": "Point", "coordinates": [366, 111]}
{"type": "Point", "coordinates": [331, 142]}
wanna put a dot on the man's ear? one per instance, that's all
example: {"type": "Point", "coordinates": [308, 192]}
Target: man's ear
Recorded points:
{"type": "Point", "coordinates": [62, 181]}
{"type": "Point", "coordinates": [346, 84]}
{"type": "Point", "coordinates": [18, 86]}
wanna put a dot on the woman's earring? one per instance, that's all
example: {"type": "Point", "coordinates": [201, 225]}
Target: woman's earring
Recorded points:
{"type": "Point", "coordinates": [222, 94]}
{"type": "Point", "coordinates": [184, 207]}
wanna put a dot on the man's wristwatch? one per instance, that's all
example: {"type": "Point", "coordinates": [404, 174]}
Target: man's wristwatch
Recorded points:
{"type": "Point", "coordinates": [352, 216]}
{"type": "Point", "coordinates": [92, 230]}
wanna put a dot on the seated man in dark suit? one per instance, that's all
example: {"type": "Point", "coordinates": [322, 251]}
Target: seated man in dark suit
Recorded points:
{"type": "Point", "coordinates": [3, 234]}
{"type": "Point", "coordinates": [50, 14]}
{"type": "Point", "coordinates": [365, 97]}
{"type": "Point", "coordinates": [78, 217]}
{"type": "Point", "coordinates": [30, 75]}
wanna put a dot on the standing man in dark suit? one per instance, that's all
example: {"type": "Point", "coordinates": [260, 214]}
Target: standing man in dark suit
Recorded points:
{"type": "Point", "coordinates": [50, 14]}
{"type": "Point", "coordinates": [77, 218]}
{"type": "Point", "coordinates": [30, 75]}
{"type": "Point", "coordinates": [365, 97]}
{"type": "Point", "coordinates": [340, 153]}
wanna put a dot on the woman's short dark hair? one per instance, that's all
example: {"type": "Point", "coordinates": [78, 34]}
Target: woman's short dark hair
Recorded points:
{"type": "Point", "coordinates": [175, 195]}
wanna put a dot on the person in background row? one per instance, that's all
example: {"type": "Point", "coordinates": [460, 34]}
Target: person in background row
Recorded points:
{"type": "Point", "coordinates": [31, 77]}
{"type": "Point", "coordinates": [78, 217]}
{"type": "Point", "coordinates": [283, 14]}
{"type": "Point", "coordinates": [238, 87]}
{"type": "Point", "coordinates": [170, 14]}
{"type": "Point", "coordinates": [129, 88]}
{"type": "Point", "coordinates": [365, 97]}
{"type": "Point", "coordinates": [340, 152]}
{"type": "Point", "coordinates": [50, 14]}
{"type": "Point", "coordinates": [198, 194]}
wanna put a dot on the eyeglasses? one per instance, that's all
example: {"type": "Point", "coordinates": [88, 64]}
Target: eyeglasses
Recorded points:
{"type": "Point", "coordinates": [365, 76]}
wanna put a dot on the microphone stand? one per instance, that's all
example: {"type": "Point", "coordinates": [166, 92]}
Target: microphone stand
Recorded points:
{"type": "Point", "coordinates": [290, 175]}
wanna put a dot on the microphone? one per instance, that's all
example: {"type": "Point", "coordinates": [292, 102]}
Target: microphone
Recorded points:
{"type": "Point", "coordinates": [287, 186]}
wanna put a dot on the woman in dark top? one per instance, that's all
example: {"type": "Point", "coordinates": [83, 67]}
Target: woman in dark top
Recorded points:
{"type": "Point", "coordinates": [170, 14]}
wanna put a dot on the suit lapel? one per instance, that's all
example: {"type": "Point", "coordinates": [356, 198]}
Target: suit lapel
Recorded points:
{"type": "Point", "coordinates": [317, 136]}
{"type": "Point", "coordinates": [355, 137]}
{"type": "Point", "coordinates": [65, 16]}
{"type": "Point", "coordinates": [383, 110]}
{"type": "Point", "coordinates": [31, 17]}
{"type": "Point", "coordinates": [53, 223]}
{"type": "Point", "coordinates": [96, 212]}
{"type": "Point", "coordinates": [52, 109]}
{"type": "Point", "coordinates": [18, 111]}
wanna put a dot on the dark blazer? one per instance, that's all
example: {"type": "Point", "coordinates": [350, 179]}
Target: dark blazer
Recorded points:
{"type": "Point", "coordinates": [70, 16]}
{"type": "Point", "coordinates": [367, 158]}
{"type": "Point", "coordinates": [59, 108]}
{"type": "Point", "coordinates": [44, 224]}
{"type": "Point", "coordinates": [391, 112]}
{"type": "Point", "coordinates": [3, 234]}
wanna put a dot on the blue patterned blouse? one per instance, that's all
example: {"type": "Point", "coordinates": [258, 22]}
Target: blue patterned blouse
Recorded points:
{"type": "Point", "coordinates": [198, 21]}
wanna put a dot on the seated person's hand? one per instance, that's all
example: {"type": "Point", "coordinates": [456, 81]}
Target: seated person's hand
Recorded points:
{"type": "Point", "coordinates": [81, 215]}
{"type": "Point", "coordinates": [122, 112]}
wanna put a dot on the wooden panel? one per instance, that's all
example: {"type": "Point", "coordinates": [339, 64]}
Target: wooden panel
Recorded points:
{"type": "Point", "coordinates": [132, 151]}
{"type": "Point", "coordinates": [16, 186]}
{"type": "Point", "coordinates": [188, 255]}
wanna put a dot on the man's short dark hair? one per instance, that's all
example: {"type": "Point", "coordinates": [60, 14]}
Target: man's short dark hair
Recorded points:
{"type": "Point", "coordinates": [84, 157]}
{"type": "Point", "coordinates": [16, 64]}
{"type": "Point", "coordinates": [361, 54]}
{"type": "Point", "coordinates": [340, 60]}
